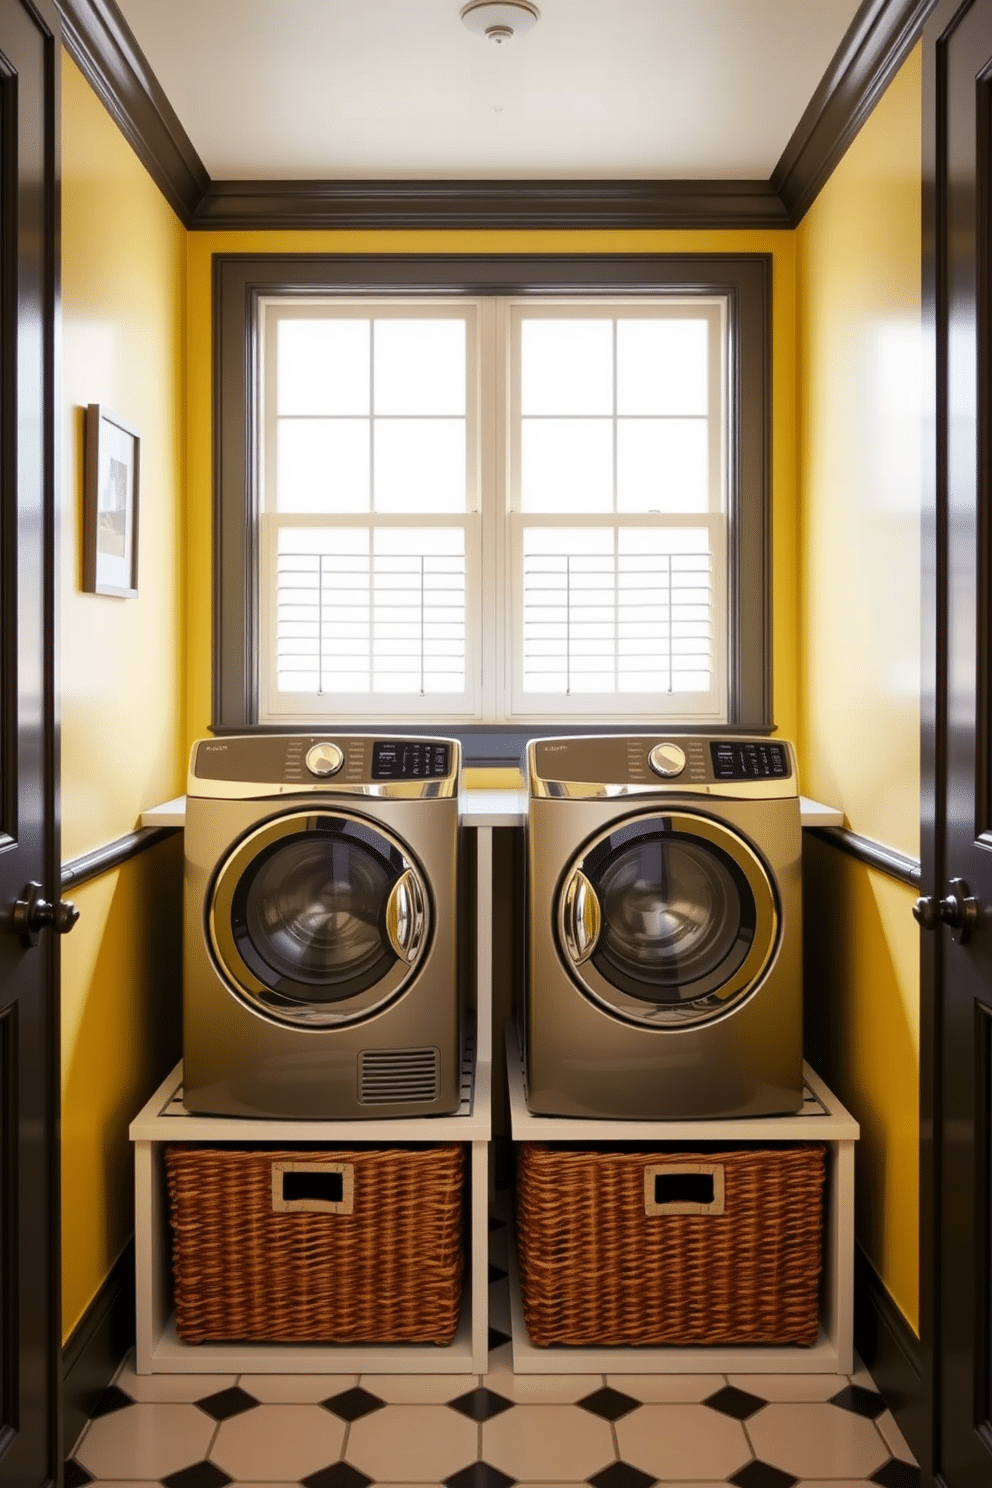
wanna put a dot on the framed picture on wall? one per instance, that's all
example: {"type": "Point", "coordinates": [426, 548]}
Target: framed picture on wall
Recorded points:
{"type": "Point", "coordinates": [110, 504]}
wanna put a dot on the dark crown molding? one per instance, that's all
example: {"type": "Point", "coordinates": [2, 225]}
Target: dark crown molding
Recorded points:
{"type": "Point", "coordinates": [99, 42]}
{"type": "Point", "coordinates": [877, 43]}
{"type": "Point", "coordinates": [489, 204]}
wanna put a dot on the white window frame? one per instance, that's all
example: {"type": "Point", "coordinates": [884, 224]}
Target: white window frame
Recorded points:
{"type": "Point", "coordinates": [493, 522]}
{"type": "Point", "coordinates": [711, 707]}
{"type": "Point", "coordinates": [279, 707]}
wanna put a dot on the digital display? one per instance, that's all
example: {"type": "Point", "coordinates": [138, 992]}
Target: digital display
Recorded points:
{"type": "Point", "coordinates": [733, 760]}
{"type": "Point", "coordinates": [409, 759]}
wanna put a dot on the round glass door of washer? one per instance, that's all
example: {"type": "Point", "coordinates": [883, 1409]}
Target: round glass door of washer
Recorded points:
{"type": "Point", "coordinates": [318, 918]}
{"type": "Point", "coordinates": [668, 920]}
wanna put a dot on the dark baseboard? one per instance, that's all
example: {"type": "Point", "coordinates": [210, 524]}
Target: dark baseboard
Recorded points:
{"type": "Point", "coordinates": [890, 1351]}
{"type": "Point", "coordinates": [98, 1343]}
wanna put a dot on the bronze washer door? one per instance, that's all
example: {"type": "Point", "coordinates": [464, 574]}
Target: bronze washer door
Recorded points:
{"type": "Point", "coordinates": [669, 920]}
{"type": "Point", "coordinates": [318, 918]}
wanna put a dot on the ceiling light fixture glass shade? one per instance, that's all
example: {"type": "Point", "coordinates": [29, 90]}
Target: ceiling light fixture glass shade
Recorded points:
{"type": "Point", "coordinates": [500, 21]}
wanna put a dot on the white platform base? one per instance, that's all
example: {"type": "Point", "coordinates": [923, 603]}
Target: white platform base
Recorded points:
{"type": "Point", "coordinates": [822, 1119]}
{"type": "Point", "coordinates": [158, 1350]}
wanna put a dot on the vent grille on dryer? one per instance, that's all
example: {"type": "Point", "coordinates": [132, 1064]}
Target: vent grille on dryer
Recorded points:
{"type": "Point", "coordinates": [389, 1076]}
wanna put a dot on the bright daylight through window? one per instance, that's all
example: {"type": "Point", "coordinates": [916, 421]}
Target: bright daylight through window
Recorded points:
{"type": "Point", "coordinates": [494, 509]}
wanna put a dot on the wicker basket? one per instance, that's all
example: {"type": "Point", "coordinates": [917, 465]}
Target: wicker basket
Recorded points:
{"type": "Point", "coordinates": [328, 1246]}
{"type": "Point", "coordinates": [662, 1247]}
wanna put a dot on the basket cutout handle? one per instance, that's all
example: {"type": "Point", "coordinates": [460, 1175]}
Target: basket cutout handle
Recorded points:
{"type": "Point", "coordinates": [684, 1188]}
{"type": "Point", "coordinates": [313, 1188]}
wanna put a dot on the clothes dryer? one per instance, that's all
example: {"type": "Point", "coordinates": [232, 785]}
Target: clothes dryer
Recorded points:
{"type": "Point", "coordinates": [321, 927]}
{"type": "Point", "coordinates": [664, 927]}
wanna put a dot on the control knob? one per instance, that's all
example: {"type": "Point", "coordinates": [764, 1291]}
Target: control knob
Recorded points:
{"type": "Point", "coordinates": [667, 760]}
{"type": "Point", "coordinates": [324, 759]}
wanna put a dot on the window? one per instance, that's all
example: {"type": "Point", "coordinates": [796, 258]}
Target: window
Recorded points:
{"type": "Point", "coordinates": [492, 494]}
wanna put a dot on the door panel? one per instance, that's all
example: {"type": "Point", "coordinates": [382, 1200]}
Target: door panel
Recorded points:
{"type": "Point", "coordinates": [29, 860]}
{"type": "Point", "coordinates": [958, 58]}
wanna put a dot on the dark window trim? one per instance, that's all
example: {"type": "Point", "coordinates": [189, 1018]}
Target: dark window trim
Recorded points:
{"type": "Point", "coordinates": [241, 280]}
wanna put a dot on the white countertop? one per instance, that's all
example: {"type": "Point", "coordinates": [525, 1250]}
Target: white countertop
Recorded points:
{"type": "Point", "coordinates": [487, 808]}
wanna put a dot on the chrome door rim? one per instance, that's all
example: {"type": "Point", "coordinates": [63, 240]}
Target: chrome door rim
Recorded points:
{"type": "Point", "coordinates": [407, 947]}
{"type": "Point", "coordinates": [576, 952]}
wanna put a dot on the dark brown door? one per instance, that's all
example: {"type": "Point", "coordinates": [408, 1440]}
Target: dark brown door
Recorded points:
{"type": "Point", "coordinates": [29, 864]}
{"type": "Point", "coordinates": [958, 760]}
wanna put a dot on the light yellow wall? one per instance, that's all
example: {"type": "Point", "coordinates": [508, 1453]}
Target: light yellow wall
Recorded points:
{"type": "Point", "coordinates": [859, 364]}
{"type": "Point", "coordinates": [202, 247]}
{"type": "Point", "coordinates": [123, 735]}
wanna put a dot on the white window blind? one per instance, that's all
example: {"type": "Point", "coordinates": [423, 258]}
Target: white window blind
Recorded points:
{"type": "Point", "coordinates": [627, 612]}
{"type": "Point", "coordinates": [368, 612]}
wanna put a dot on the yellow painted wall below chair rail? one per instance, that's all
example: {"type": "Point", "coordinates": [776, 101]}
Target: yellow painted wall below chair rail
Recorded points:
{"type": "Point", "coordinates": [122, 675]}
{"type": "Point", "coordinates": [202, 247]}
{"type": "Point", "coordinates": [860, 463]}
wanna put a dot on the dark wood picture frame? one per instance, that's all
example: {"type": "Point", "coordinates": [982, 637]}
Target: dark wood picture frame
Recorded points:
{"type": "Point", "coordinates": [110, 504]}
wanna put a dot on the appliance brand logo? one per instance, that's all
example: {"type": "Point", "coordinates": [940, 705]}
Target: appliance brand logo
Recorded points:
{"type": "Point", "coordinates": [554, 748]}
{"type": "Point", "coordinates": [214, 748]}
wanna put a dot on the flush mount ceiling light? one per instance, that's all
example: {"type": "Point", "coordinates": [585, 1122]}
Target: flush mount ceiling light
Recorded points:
{"type": "Point", "coordinates": [500, 21]}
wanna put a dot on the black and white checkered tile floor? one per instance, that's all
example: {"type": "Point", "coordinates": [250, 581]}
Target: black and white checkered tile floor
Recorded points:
{"type": "Point", "coordinates": [491, 1431]}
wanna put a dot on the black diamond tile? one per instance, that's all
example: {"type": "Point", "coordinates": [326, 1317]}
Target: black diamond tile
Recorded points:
{"type": "Point", "coordinates": [610, 1404]}
{"type": "Point", "coordinates": [496, 1273]}
{"type": "Point", "coordinates": [481, 1405]}
{"type": "Point", "coordinates": [734, 1402]}
{"type": "Point", "coordinates": [74, 1476]}
{"type": "Point", "coordinates": [200, 1475]}
{"type": "Point", "coordinates": [760, 1474]}
{"type": "Point", "coordinates": [351, 1405]}
{"type": "Point", "coordinates": [227, 1403]}
{"type": "Point", "coordinates": [859, 1400]}
{"type": "Point", "coordinates": [896, 1474]}
{"type": "Point", "coordinates": [497, 1339]}
{"type": "Point", "coordinates": [112, 1399]}
{"type": "Point", "coordinates": [479, 1475]}
{"type": "Point", "coordinates": [340, 1475]}
{"type": "Point", "coordinates": [496, 1224]}
{"type": "Point", "coordinates": [621, 1475]}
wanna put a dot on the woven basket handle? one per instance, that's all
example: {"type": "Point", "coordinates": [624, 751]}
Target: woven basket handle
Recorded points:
{"type": "Point", "coordinates": [313, 1187]}
{"type": "Point", "coordinates": [684, 1188]}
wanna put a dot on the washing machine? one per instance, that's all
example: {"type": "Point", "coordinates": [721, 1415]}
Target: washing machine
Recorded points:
{"type": "Point", "coordinates": [664, 974]}
{"type": "Point", "coordinates": [320, 975]}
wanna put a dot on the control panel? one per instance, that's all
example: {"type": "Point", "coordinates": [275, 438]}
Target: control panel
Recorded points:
{"type": "Point", "coordinates": [410, 759]}
{"type": "Point", "coordinates": [346, 762]}
{"type": "Point", "coordinates": [734, 760]}
{"type": "Point", "coordinates": [596, 764]}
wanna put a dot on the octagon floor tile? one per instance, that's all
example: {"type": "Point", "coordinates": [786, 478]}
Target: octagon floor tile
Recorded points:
{"type": "Point", "coordinates": [537, 1389]}
{"type": "Point", "coordinates": [893, 1437]}
{"type": "Point", "coordinates": [417, 1443]}
{"type": "Point", "coordinates": [296, 1389]}
{"type": "Point", "coordinates": [682, 1441]}
{"type": "Point", "coordinates": [147, 1388]}
{"type": "Point", "coordinates": [418, 1389]}
{"type": "Point", "coordinates": [548, 1443]}
{"type": "Point", "coordinates": [819, 1483]}
{"type": "Point", "coordinates": [661, 1388]}
{"type": "Point", "coordinates": [790, 1386]}
{"type": "Point", "coordinates": [817, 1440]}
{"type": "Point", "coordinates": [281, 1443]}
{"type": "Point", "coordinates": [145, 1441]}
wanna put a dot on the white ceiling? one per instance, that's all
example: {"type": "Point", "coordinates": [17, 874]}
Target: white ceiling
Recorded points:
{"type": "Point", "coordinates": [400, 89]}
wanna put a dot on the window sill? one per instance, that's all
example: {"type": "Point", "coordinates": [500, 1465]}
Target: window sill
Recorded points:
{"type": "Point", "coordinates": [488, 808]}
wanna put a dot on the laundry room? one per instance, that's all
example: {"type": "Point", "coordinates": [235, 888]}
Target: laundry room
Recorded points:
{"type": "Point", "coordinates": [139, 686]}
